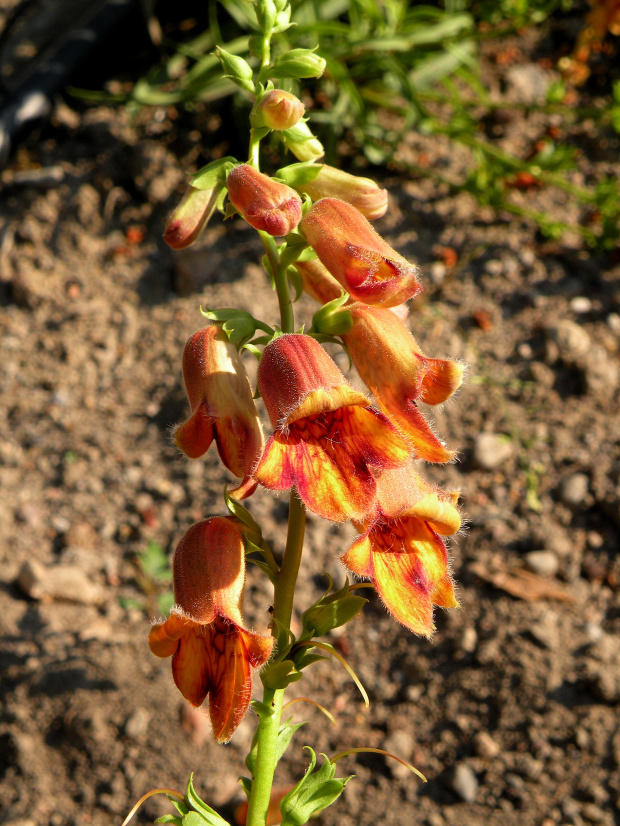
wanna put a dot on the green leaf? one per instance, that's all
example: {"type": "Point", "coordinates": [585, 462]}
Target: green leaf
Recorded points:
{"type": "Point", "coordinates": [246, 785]}
{"type": "Point", "coordinates": [213, 173]}
{"type": "Point", "coordinates": [280, 674]}
{"type": "Point", "coordinates": [299, 174]}
{"type": "Point", "coordinates": [203, 812]}
{"type": "Point", "coordinates": [285, 735]}
{"type": "Point", "coordinates": [169, 819]}
{"type": "Point", "coordinates": [296, 63]}
{"type": "Point", "coordinates": [314, 792]}
{"type": "Point", "coordinates": [331, 611]}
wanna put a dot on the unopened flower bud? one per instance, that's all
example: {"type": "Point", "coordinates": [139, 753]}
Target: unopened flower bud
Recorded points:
{"type": "Point", "coordinates": [356, 255]}
{"type": "Point", "coordinates": [237, 69]}
{"type": "Point", "coordinates": [362, 193]}
{"type": "Point", "coordinates": [191, 216]}
{"type": "Point", "coordinates": [298, 63]}
{"type": "Point", "coordinates": [277, 109]}
{"type": "Point", "coordinates": [264, 203]}
{"type": "Point", "coordinates": [301, 142]}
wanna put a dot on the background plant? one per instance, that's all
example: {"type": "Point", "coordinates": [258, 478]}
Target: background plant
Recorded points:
{"type": "Point", "coordinates": [396, 66]}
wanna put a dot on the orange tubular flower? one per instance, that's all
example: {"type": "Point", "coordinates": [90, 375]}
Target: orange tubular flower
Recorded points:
{"type": "Point", "coordinates": [222, 407]}
{"type": "Point", "coordinates": [264, 203]}
{"type": "Point", "coordinates": [401, 551]}
{"type": "Point", "coordinates": [366, 266]}
{"type": "Point", "coordinates": [212, 653]}
{"type": "Point", "coordinates": [191, 216]}
{"type": "Point", "coordinates": [391, 364]}
{"type": "Point", "coordinates": [327, 435]}
{"type": "Point", "coordinates": [317, 282]}
{"type": "Point", "coordinates": [362, 193]}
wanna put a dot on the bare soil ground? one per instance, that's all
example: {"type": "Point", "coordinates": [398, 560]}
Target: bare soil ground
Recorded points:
{"type": "Point", "coordinates": [512, 710]}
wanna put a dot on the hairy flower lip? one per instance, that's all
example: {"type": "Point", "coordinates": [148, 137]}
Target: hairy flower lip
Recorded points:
{"type": "Point", "coordinates": [222, 407]}
{"type": "Point", "coordinates": [356, 255]}
{"type": "Point", "coordinates": [401, 551]}
{"type": "Point", "coordinates": [266, 204]}
{"type": "Point", "coordinates": [212, 653]}
{"type": "Point", "coordinates": [398, 374]}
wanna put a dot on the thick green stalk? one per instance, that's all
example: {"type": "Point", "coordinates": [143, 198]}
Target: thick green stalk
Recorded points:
{"type": "Point", "coordinates": [284, 589]}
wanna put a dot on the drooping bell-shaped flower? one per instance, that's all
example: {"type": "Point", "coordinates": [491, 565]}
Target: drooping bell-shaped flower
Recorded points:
{"type": "Point", "coordinates": [265, 204]}
{"type": "Point", "coordinates": [401, 549]}
{"type": "Point", "coordinates": [327, 436]}
{"type": "Point", "coordinates": [222, 407]}
{"type": "Point", "coordinates": [212, 653]}
{"type": "Point", "coordinates": [393, 367]}
{"type": "Point", "coordinates": [357, 256]}
{"type": "Point", "coordinates": [317, 281]}
{"type": "Point", "coordinates": [191, 216]}
{"type": "Point", "coordinates": [362, 193]}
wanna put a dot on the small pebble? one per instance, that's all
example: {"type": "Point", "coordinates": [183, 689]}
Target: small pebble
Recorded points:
{"type": "Point", "coordinates": [494, 267]}
{"type": "Point", "coordinates": [438, 272]}
{"type": "Point", "coordinates": [65, 582]}
{"type": "Point", "coordinates": [571, 339]}
{"type": "Point", "coordinates": [543, 563]}
{"type": "Point", "coordinates": [581, 304]}
{"type": "Point", "coordinates": [601, 374]}
{"type": "Point", "coordinates": [468, 640]}
{"type": "Point", "coordinates": [485, 745]}
{"type": "Point", "coordinates": [613, 322]}
{"type": "Point", "coordinates": [491, 450]}
{"type": "Point", "coordinates": [574, 489]}
{"type": "Point", "coordinates": [464, 783]}
{"type": "Point", "coordinates": [137, 723]}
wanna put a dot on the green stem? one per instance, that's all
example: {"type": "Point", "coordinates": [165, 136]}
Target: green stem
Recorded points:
{"type": "Point", "coordinates": [269, 726]}
{"type": "Point", "coordinates": [284, 589]}
{"type": "Point", "coordinates": [287, 315]}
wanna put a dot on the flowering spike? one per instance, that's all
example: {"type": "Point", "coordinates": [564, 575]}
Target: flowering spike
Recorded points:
{"type": "Point", "coordinates": [212, 653]}
{"type": "Point", "coordinates": [222, 406]}
{"type": "Point", "coordinates": [264, 203]}
{"type": "Point", "coordinates": [327, 436]}
{"type": "Point", "coordinates": [401, 550]}
{"type": "Point", "coordinates": [391, 364]}
{"type": "Point", "coordinates": [366, 266]}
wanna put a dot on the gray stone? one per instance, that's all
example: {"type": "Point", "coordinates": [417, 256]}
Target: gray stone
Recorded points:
{"type": "Point", "coordinates": [468, 640]}
{"type": "Point", "coordinates": [601, 374]}
{"type": "Point", "coordinates": [543, 563]}
{"type": "Point", "coordinates": [64, 582]}
{"type": "Point", "coordinates": [528, 83]}
{"type": "Point", "coordinates": [574, 489]}
{"type": "Point", "coordinates": [580, 304]}
{"type": "Point", "coordinates": [137, 723]}
{"type": "Point", "coordinates": [491, 450]}
{"type": "Point", "coordinates": [465, 783]}
{"type": "Point", "coordinates": [571, 339]}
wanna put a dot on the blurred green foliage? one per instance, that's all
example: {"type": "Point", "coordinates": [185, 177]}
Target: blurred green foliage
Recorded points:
{"type": "Point", "coordinates": [395, 66]}
{"type": "Point", "coordinates": [153, 576]}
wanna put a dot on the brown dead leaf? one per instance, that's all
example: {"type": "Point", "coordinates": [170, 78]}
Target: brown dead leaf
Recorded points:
{"type": "Point", "coordinates": [522, 584]}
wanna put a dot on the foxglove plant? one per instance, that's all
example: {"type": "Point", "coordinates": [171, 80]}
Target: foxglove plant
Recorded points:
{"type": "Point", "coordinates": [343, 455]}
